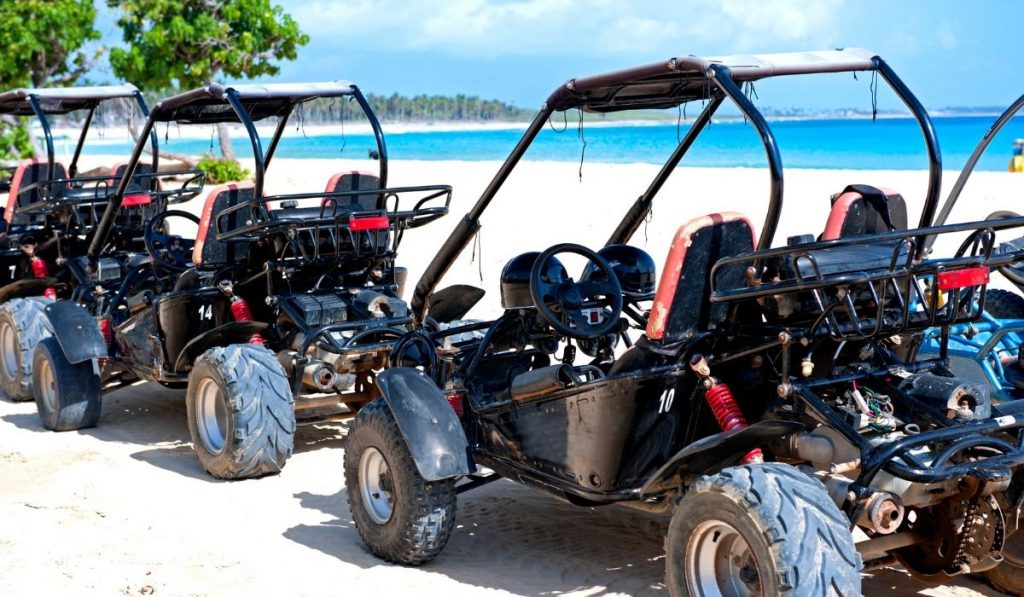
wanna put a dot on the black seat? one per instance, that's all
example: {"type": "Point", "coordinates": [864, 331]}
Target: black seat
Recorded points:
{"type": "Point", "coordinates": [862, 209]}
{"type": "Point", "coordinates": [682, 305]}
{"type": "Point", "coordinates": [355, 181]}
{"type": "Point", "coordinates": [27, 173]}
{"type": "Point", "coordinates": [210, 252]}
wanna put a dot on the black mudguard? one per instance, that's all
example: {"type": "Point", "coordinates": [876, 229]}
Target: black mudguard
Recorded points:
{"type": "Point", "coordinates": [431, 429]}
{"type": "Point", "coordinates": [76, 331]}
{"type": "Point", "coordinates": [25, 288]}
{"type": "Point", "coordinates": [233, 332]}
{"type": "Point", "coordinates": [720, 450]}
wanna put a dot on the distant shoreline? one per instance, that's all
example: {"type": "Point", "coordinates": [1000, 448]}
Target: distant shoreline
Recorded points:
{"type": "Point", "coordinates": [118, 134]}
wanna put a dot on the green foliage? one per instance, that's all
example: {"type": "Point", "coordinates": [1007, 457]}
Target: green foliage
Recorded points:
{"type": "Point", "coordinates": [43, 41]}
{"type": "Point", "coordinates": [221, 170]}
{"type": "Point", "coordinates": [14, 139]}
{"type": "Point", "coordinates": [188, 43]}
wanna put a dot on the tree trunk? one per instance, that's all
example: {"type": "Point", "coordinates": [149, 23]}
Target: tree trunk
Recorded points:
{"type": "Point", "coordinates": [226, 149]}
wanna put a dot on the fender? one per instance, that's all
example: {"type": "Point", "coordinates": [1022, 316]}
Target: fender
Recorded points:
{"type": "Point", "coordinates": [233, 332]}
{"type": "Point", "coordinates": [76, 331]}
{"type": "Point", "coordinates": [25, 288]}
{"type": "Point", "coordinates": [432, 431]}
{"type": "Point", "coordinates": [712, 451]}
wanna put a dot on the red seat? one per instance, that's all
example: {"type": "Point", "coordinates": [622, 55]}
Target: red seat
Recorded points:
{"type": "Point", "coordinates": [682, 302]}
{"type": "Point", "coordinates": [29, 172]}
{"type": "Point", "coordinates": [860, 209]}
{"type": "Point", "coordinates": [208, 249]}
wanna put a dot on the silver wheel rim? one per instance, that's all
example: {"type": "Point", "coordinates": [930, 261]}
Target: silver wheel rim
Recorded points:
{"type": "Point", "coordinates": [211, 416]}
{"type": "Point", "coordinates": [47, 385]}
{"type": "Point", "coordinates": [375, 485]}
{"type": "Point", "coordinates": [9, 344]}
{"type": "Point", "coordinates": [720, 562]}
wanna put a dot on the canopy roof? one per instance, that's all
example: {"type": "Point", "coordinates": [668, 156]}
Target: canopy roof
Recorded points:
{"type": "Point", "coordinates": [210, 104]}
{"type": "Point", "coordinates": [678, 80]}
{"type": "Point", "coordinates": [61, 100]}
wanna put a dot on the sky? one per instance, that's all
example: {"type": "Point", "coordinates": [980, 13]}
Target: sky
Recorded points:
{"type": "Point", "coordinates": [949, 52]}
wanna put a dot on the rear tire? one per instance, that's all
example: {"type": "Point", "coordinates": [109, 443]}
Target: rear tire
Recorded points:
{"type": "Point", "coordinates": [67, 394]}
{"type": "Point", "coordinates": [23, 323]}
{"type": "Point", "coordinates": [1003, 304]}
{"type": "Point", "coordinates": [401, 517]}
{"type": "Point", "coordinates": [765, 529]}
{"type": "Point", "coordinates": [1008, 576]}
{"type": "Point", "coordinates": [241, 413]}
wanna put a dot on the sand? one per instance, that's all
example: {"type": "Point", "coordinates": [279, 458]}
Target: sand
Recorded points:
{"type": "Point", "coordinates": [125, 509]}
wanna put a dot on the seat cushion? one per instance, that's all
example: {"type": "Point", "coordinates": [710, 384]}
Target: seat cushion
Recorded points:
{"type": "Point", "coordinates": [208, 250]}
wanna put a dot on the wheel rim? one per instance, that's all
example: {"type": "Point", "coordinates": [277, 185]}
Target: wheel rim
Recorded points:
{"type": "Point", "coordinates": [9, 344]}
{"type": "Point", "coordinates": [211, 416]}
{"type": "Point", "coordinates": [48, 385]}
{"type": "Point", "coordinates": [720, 562]}
{"type": "Point", "coordinates": [375, 485]}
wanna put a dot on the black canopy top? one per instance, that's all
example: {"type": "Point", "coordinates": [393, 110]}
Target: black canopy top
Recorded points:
{"type": "Point", "coordinates": [61, 100]}
{"type": "Point", "coordinates": [678, 80]}
{"type": "Point", "coordinates": [210, 104]}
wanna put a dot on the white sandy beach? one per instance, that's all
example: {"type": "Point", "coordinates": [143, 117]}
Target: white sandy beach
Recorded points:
{"type": "Point", "coordinates": [125, 509]}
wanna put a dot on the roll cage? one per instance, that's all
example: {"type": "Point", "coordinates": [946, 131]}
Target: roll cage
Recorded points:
{"type": "Point", "coordinates": [671, 83]}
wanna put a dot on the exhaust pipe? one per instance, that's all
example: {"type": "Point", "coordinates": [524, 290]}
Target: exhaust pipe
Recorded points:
{"type": "Point", "coordinates": [316, 374]}
{"type": "Point", "coordinates": [883, 513]}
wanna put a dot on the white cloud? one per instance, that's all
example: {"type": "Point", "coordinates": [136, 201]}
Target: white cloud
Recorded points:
{"type": "Point", "coordinates": [495, 28]}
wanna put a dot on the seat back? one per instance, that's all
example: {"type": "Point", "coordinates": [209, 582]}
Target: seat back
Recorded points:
{"type": "Point", "coordinates": [29, 172]}
{"type": "Point", "coordinates": [863, 209]}
{"type": "Point", "coordinates": [137, 192]}
{"type": "Point", "coordinates": [210, 252]}
{"type": "Point", "coordinates": [682, 303]}
{"type": "Point", "coordinates": [356, 181]}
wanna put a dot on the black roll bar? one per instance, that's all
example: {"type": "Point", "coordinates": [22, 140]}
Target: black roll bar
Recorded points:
{"type": "Point", "coordinates": [639, 210]}
{"type": "Point", "coordinates": [470, 223]}
{"type": "Point", "coordinates": [965, 174]}
{"type": "Point", "coordinates": [33, 101]}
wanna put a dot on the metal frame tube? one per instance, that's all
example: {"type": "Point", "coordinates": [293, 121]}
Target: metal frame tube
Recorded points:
{"type": "Point", "coordinates": [99, 235]}
{"type": "Point", "coordinates": [33, 101]}
{"type": "Point", "coordinates": [722, 78]}
{"type": "Point", "coordinates": [254, 137]}
{"type": "Point", "coordinates": [278, 131]}
{"type": "Point", "coordinates": [639, 210]}
{"type": "Point", "coordinates": [469, 224]}
{"type": "Point", "coordinates": [961, 181]}
{"type": "Point", "coordinates": [378, 134]}
{"type": "Point", "coordinates": [73, 168]}
{"type": "Point", "coordinates": [931, 199]}
{"type": "Point", "coordinates": [153, 137]}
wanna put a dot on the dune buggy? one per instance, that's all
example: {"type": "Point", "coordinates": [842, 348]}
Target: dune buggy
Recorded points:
{"type": "Point", "coordinates": [806, 342]}
{"type": "Point", "coordinates": [280, 304]}
{"type": "Point", "coordinates": [50, 212]}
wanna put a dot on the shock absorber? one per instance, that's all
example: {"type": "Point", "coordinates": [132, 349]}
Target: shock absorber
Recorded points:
{"type": "Point", "coordinates": [39, 269]}
{"type": "Point", "coordinates": [240, 309]}
{"type": "Point", "coordinates": [723, 405]}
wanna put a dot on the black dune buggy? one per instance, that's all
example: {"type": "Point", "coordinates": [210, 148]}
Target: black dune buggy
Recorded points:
{"type": "Point", "coordinates": [279, 304]}
{"type": "Point", "coordinates": [772, 402]}
{"type": "Point", "coordinates": [50, 212]}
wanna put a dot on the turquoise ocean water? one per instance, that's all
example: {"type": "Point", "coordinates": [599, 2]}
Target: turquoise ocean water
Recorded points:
{"type": "Point", "coordinates": [890, 143]}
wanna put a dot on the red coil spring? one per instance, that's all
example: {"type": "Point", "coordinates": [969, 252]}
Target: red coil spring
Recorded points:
{"type": "Point", "coordinates": [240, 311]}
{"type": "Point", "coordinates": [107, 329]}
{"type": "Point", "coordinates": [40, 270]}
{"type": "Point", "coordinates": [729, 416]}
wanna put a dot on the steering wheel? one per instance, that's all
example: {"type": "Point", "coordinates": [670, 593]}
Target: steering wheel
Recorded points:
{"type": "Point", "coordinates": [169, 251]}
{"type": "Point", "coordinates": [582, 310]}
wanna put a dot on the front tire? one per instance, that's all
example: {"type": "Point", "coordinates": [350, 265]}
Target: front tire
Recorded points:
{"type": "Point", "coordinates": [23, 323]}
{"type": "Point", "coordinates": [401, 517]}
{"type": "Point", "coordinates": [1003, 304]}
{"type": "Point", "coordinates": [241, 413]}
{"type": "Point", "coordinates": [67, 394]}
{"type": "Point", "coordinates": [764, 529]}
